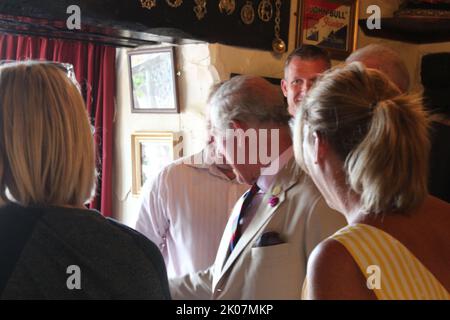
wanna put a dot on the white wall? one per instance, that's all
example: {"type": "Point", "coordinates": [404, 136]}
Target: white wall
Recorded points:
{"type": "Point", "coordinates": [195, 78]}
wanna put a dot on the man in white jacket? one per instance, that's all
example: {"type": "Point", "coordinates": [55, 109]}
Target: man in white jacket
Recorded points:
{"type": "Point", "coordinates": [274, 227]}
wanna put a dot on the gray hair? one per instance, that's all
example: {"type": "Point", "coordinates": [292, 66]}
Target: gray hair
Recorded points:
{"type": "Point", "coordinates": [247, 99]}
{"type": "Point", "coordinates": [386, 60]}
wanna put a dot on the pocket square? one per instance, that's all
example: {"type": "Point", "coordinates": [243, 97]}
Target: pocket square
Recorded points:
{"type": "Point", "coordinates": [270, 238]}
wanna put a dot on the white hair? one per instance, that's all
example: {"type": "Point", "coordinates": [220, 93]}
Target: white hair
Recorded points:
{"type": "Point", "coordinates": [384, 59]}
{"type": "Point", "coordinates": [248, 99]}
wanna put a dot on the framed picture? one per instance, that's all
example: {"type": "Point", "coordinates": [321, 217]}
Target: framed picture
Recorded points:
{"type": "Point", "coordinates": [153, 84]}
{"type": "Point", "coordinates": [151, 151]}
{"type": "Point", "coordinates": [329, 24]}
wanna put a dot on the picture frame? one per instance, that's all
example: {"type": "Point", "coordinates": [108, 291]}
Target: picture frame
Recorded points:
{"type": "Point", "coordinates": [328, 24]}
{"type": "Point", "coordinates": [153, 84]}
{"type": "Point", "coordinates": [151, 151]}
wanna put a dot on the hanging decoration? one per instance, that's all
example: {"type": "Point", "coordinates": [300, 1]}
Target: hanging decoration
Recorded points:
{"type": "Point", "coordinates": [227, 6]}
{"type": "Point", "coordinates": [265, 10]}
{"type": "Point", "coordinates": [148, 4]}
{"type": "Point", "coordinates": [200, 9]}
{"type": "Point", "coordinates": [278, 44]}
{"type": "Point", "coordinates": [174, 3]}
{"type": "Point", "coordinates": [248, 13]}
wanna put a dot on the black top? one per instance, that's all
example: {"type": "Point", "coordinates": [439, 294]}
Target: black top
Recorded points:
{"type": "Point", "coordinates": [38, 245]}
{"type": "Point", "coordinates": [439, 181]}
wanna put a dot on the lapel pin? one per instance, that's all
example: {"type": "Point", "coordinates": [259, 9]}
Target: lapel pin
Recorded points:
{"type": "Point", "coordinates": [273, 201]}
{"type": "Point", "coordinates": [276, 191]}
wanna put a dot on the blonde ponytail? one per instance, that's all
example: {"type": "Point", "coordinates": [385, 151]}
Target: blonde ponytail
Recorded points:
{"type": "Point", "coordinates": [380, 135]}
{"type": "Point", "coordinates": [388, 167]}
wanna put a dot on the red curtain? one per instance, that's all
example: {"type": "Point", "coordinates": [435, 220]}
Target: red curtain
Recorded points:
{"type": "Point", "coordinates": [95, 71]}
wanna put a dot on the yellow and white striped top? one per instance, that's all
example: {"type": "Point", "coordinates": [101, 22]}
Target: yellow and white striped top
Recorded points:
{"type": "Point", "coordinates": [402, 275]}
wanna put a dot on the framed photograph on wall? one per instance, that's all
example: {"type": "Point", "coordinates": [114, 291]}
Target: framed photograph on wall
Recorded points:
{"type": "Point", "coordinates": [329, 24]}
{"type": "Point", "coordinates": [151, 151]}
{"type": "Point", "coordinates": [153, 84]}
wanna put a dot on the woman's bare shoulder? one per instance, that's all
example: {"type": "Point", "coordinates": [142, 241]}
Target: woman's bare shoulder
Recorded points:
{"type": "Point", "coordinates": [334, 274]}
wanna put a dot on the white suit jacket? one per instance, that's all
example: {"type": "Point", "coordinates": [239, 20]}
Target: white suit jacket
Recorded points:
{"type": "Point", "coordinates": [301, 218]}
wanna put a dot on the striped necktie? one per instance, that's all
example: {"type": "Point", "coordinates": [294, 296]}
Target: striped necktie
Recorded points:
{"type": "Point", "coordinates": [236, 224]}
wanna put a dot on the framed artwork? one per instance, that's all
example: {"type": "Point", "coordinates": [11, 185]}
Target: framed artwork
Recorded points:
{"type": "Point", "coordinates": [153, 84]}
{"type": "Point", "coordinates": [329, 24]}
{"type": "Point", "coordinates": [151, 151]}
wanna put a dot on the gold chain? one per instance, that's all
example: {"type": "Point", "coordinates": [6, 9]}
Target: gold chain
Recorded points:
{"type": "Point", "coordinates": [277, 18]}
{"type": "Point", "coordinates": [278, 45]}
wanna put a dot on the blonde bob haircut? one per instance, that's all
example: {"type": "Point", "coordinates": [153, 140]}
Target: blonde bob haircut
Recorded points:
{"type": "Point", "coordinates": [46, 144]}
{"type": "Point", "coordinates": [380, 135]}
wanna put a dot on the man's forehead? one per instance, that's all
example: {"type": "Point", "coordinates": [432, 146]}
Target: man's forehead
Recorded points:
{"type": "Point", "coordinates": [301, 68]}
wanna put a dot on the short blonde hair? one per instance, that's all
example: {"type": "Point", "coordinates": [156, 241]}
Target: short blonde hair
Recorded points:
{"type": "Point", "coordinates": [46, 144]}
{"type": "Point", "coordinates": [381, 135]}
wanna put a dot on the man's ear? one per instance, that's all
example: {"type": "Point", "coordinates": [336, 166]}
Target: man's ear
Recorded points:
{"type": "Point", "coordinates": [320, 147]}
{"type": "Point", "coordinates": [284, 85]}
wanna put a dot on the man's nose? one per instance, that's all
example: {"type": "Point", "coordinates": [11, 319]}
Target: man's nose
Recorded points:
{"type": "Point", "coordinates": [306, 86]}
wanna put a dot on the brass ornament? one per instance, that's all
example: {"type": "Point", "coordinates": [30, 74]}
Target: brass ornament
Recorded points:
{"type": "Point", "coordinates": [174, 3]}
{"type": "Point", "coordinates": [248, 13]}
{"type": "Point", "coordinates": [200, 9]}
{"type": "Point", "coordinates": [278, 45]}
{"type": "Point", "coordinates": [227, 6]}
{"type": "Point", "coordinates": [265, 10]}
{"type": "Point", "coordinates": [148, 4]}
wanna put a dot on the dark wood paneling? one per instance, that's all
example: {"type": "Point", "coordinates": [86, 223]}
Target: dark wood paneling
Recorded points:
{"type": "Point", "coordinates": [411, 29]}
{"type": "Point", "coordinates": [126, 21]}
